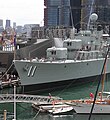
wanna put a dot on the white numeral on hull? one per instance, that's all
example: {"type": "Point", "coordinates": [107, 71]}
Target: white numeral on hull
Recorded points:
{"type": "Point", "coordinates": [31, 71]}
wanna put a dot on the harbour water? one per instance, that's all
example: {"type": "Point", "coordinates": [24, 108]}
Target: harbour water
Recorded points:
{"type": "Point", "coordinates": [26, 112]}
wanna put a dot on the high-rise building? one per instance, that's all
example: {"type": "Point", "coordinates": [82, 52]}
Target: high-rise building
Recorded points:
{"type": "Point", "coordinates": [1, 26]}
{"type": "Point", "coordinates": [62, 13]}
{"type": "Point", "coordinates": [75, 12]}
{"type": "Point", "coordinates": [8, 22]}
{"type": "Point", "coordinates": [101, 7]}
{"type": "Point", "coordinates": [1, 22]}
{"type": "Point", "coordinates": [57, 13]}
{"type": "Point", "coordinates": [14, 25]}
{"type": "Point", "coordinates": [103, 11]}
{"type": "Point", "coordinates": [75, 16]}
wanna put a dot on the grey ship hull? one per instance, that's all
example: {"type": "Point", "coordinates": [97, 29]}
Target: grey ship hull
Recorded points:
{"type": "Point", "coordinates": [47, 75]}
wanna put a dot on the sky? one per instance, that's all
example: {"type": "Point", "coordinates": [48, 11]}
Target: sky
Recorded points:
{"type": "Point", "coordinates": [22, 11]}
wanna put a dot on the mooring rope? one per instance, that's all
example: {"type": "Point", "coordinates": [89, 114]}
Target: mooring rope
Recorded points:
{"type": "Point", "coordinates": [37, 114]}
{"type": "Point", "coordinates": [6, 71]}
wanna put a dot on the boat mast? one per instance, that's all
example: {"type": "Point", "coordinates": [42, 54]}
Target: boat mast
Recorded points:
{"type": "Point", "coordinates": [103, 79]}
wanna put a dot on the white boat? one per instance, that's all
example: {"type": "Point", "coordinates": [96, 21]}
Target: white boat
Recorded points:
{"type": "Point", "coordinates": [79, 60]}
{"type": "Point", "coordinates": [61, 110]}
{"type": "Point", "coordinates": [57, 108]}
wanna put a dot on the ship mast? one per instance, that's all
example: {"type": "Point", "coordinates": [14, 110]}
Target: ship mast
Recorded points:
{"type": "Point", "coordinates": [91, 10]}
{"type": "Point", "coordinates": [103, 79]}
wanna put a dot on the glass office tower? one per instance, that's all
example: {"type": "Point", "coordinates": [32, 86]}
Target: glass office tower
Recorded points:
{"type": "Point", "coordinates": [75, 16]}
{"type": "Point", "coordinates": [75, 12]}
{"type": "Point", "coordinates": [57, 13]}
{"type": "Point", "coordinates": [103, 11]}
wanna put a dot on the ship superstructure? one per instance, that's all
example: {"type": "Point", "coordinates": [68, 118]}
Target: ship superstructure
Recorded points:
{"type": "Point", "coordinates": [80, 59]}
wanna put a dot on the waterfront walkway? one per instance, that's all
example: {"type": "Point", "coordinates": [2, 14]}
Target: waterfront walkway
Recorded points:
{"type": "Point", "coordinates": [4, 98]}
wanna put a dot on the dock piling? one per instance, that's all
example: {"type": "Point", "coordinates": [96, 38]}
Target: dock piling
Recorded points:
{"type": "Point", "coordinates": [5, 113]}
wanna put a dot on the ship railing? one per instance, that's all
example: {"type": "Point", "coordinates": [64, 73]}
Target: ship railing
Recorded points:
{"type": "Point", "coordinates": [8, 47]}
{"type": "Point", "coordinates": [26, 98]}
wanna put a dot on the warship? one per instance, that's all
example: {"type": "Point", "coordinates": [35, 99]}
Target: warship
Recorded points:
{"type": "Point", "coordinates": [80, 59]}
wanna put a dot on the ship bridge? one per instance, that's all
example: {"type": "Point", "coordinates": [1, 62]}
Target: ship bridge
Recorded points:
{"type": "Point", "coordinates": [4, 98]}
